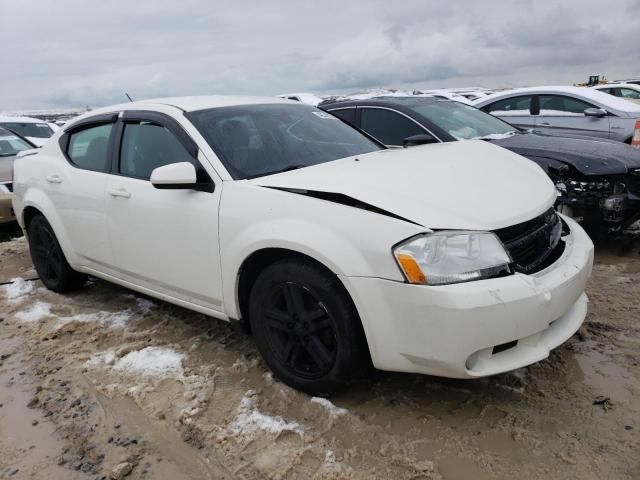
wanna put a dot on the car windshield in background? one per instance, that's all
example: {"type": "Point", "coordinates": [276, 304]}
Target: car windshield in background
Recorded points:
{"type": "Point", "coordinates": [36, 130]}
{"type": "Point", "coordinates": [10, 144]}
{"type": "Point", "coordinates": [462, 121]}
{"type": "Point", "coordinates": [258, 140]}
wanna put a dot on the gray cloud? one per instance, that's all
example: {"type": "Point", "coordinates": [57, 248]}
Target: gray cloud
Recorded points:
{"type": "Point", "coordinates": [74, 53]}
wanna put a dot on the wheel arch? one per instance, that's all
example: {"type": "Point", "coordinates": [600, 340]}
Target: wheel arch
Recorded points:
{"type": "Point", "coordinates": [260, 259]}
{"type": "Point", "coordinates": [35, 203]}
{"type": "Point", "coordinates": [257, 262]}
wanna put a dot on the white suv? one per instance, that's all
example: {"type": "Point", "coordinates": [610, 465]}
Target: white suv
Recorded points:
{"type": "Point", "coordinates": [446, 259]}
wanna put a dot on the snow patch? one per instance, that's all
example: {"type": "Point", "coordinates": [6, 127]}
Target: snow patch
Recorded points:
{"type": "Point", "coordinates": [18, 289]}
{"type": "Point", "coordinates": [36, 313]}
{"type": "Point", "coordinates": [249, 420]}
{"type": "Point", "coordinates": [152, 362]}
{"type": "Point", "coordinates": [111, 319]}
{"type": "Point", "coordinates": [101, 359]}
{"type": "Point", "coordinates": [329, 406]}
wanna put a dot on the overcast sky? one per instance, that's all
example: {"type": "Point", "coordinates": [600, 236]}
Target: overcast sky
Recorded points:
{"type": "Point", "coordinates": [70, 53]}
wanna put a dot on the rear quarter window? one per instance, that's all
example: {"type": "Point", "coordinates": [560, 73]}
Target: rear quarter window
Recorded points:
{"type": "Point", "coordinates": [88, 148]}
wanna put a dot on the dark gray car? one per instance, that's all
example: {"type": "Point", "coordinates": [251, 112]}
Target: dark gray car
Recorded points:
{"type": "Point", "coordinates": [598, 179]}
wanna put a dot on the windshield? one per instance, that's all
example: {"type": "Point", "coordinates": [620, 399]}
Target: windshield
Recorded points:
{"type": "Point", "coordinates": [257, 140]}
{"type": "Point", "coordinates": [462, 121]}
{"type": "Point", "coordinates": [10, 144]}
{"type": "Point", "coordinates": [29, 129]}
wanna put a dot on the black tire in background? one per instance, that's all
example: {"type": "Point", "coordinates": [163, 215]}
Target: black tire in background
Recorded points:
{"type": "Point", "coordinates": [49, 260]}
{"type": "Point", "coordinates": [306, 327]}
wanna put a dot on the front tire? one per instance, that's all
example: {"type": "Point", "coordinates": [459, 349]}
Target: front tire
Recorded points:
{"type": "Point", "coordinates": [49, 260]}
{"type": "Point", "coordinates": [306, 327]}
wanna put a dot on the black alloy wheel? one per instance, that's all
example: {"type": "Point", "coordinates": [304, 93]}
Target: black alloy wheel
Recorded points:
{"type": "Point", "coordinates": [48, 258]}
{"type": "Point", "coordinates": [306, 327]}
{"type": "Point", "coordinates": [301, 331]}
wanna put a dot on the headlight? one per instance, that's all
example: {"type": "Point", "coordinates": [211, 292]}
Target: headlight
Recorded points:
{"type": "Point", "coordinates": [452, 257]}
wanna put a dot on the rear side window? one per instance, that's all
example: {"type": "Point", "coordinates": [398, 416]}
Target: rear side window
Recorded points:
{"type": "Point", "coordinates": [628, 93]}
{"type": "Point", "coordinates": [147, 146]}
{"type": "Point", "coordinates": [560, 105]}
{"type": "Point", "coordinates": [510, 106]}
{"type": "Point", "coordinates": [88, 148]}
{"type": "Point", "coordinates": [346, 114]}
{"type": "Point", "coordinates": [388, 127]}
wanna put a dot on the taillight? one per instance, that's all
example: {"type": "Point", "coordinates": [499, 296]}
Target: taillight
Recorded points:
{"type": "Point", "coordinates": [635, 141]}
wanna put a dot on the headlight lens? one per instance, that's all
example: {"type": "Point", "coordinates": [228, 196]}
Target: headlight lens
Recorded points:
{"type": "Point", "coordinates": [452, 257]}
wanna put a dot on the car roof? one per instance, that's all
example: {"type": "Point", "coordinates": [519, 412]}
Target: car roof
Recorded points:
{"type": "Point", "coordinates": [391, 101]}
{"type": "Point", "coordinates": [186, 104]}
{"type": "Point", "coordinates": [19, 119]}
{"type": "Point", "coordinates": [633, 86]}
{"type": "Point", "coordinates": [587, 93]}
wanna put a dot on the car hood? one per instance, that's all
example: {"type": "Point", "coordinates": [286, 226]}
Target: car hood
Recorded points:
{"type": "Point", "coordinates": [590, 156]}
{"type": "Point", "coordinates": [470, 185]}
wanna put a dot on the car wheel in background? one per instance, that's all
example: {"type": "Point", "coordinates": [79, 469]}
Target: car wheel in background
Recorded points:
{"type": "Point", "coordinates": [49, 260]}
{"type": "Point", "coordinates": [306, 327]}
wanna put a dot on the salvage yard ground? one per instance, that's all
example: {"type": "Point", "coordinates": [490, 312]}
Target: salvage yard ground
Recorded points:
{"type": "Point", "coordinates": [106, 384]}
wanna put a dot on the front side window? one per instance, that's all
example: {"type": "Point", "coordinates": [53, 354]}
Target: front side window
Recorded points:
{"type": "Point", "coordinates": [257, 140]}
{"type": "Point", "coordinates": [629, 93]}
{"type": "Point", "coordinates": [462, 121]}
{"type": "Point", "coordinates": [510, 106]}
{"type": "Point", "coordinates": [88, 148]}
{"type": "Point", "coordinates": [29, 129]}
{"type": "Point", "coordinates": [10, 144]}
{"type": "Point", "coordinates": [147, 146]}
{"type": "Point", "coordinates": [388, 127]}
{"type": "Point", "coordinates": [560, 105]}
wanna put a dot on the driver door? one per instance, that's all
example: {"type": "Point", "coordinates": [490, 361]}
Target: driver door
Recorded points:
{"type": "Point", "coordinates": [162, 240]}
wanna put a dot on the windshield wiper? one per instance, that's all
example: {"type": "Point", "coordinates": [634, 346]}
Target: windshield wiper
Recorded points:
{"type": "Point", "coordinates": [281, 170]}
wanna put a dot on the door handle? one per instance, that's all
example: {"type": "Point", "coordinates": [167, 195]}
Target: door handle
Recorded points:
{"type": "Point", "coordinates": [120, 192]}
{"type": "Point", "coordinates": [54, 179]}
{"type": "Point", "coordinates": [544, 124]}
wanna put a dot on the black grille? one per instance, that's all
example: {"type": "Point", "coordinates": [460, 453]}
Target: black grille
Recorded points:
{"type": "Point", "coordinates": [535, 244]}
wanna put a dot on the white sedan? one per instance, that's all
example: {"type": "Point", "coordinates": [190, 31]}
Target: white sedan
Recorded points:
{"type": "Point", "coordinates": [446, 259]}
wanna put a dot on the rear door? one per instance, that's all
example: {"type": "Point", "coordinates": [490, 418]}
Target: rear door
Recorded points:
{"type": "Point", "coordinates": [163, 240]}
{"type": "Point", "coordinates": [77, 188]}
{"type": "Point", "coordinates": [515, 110]}
{"type": "Point", "coordinates": [562, 114]}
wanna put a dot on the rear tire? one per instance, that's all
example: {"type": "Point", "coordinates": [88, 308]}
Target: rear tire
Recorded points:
{"type": "Point", "coordinates": [306, 327]}
{"type": "Point", "coordinates": [49, 260]}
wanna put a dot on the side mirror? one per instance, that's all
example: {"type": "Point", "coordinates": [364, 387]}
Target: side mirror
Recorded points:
{"type": "Point", "coordinates": [174, 176]}
{"type": "Point", "coordinates": [420, 139]}
{"type": "Point", "coordinates": [595, 112]}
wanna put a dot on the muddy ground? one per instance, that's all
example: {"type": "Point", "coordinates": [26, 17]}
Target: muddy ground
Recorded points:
{"type": "Point", "coordinates": [107, 384]}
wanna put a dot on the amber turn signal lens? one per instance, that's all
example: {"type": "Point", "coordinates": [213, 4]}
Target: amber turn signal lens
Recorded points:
{"type": "Point", "coordinates": [411, 268]}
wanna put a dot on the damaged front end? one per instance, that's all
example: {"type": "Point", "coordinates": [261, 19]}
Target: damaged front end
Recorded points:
{"type": "Point", "coordinates": [609, 203]}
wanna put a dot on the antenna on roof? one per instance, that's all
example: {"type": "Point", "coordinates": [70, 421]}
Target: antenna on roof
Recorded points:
{"type": "Point", "coordinates": [128, 96]}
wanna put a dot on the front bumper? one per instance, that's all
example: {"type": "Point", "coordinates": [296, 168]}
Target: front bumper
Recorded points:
{"type": "Point", "coordinates": [6, 210]}
{"type": "Point", "coordinates": [453, 330]}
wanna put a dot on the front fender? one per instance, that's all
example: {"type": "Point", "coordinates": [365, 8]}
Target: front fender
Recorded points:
{"type": "Point", "coordinates": [348, 241]}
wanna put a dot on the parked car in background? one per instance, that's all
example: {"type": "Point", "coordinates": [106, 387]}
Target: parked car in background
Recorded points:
{"type": "Point", "coordinates": [598, 179]}
{"type": "Point", "coordinates": [35, 130]}
{"type": "Point", "coordinates": [308, 98]}
{"type": "Point", "coordinates": [566, 110]}
{"type": "Point", "coordinates": [635, 81]}
{"type": "Point", "coordinates": [336, 251]}
{"type": "Point", "coordinates": [11, 145]}
{"type": "Point", "coordinates": [627, 91]}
